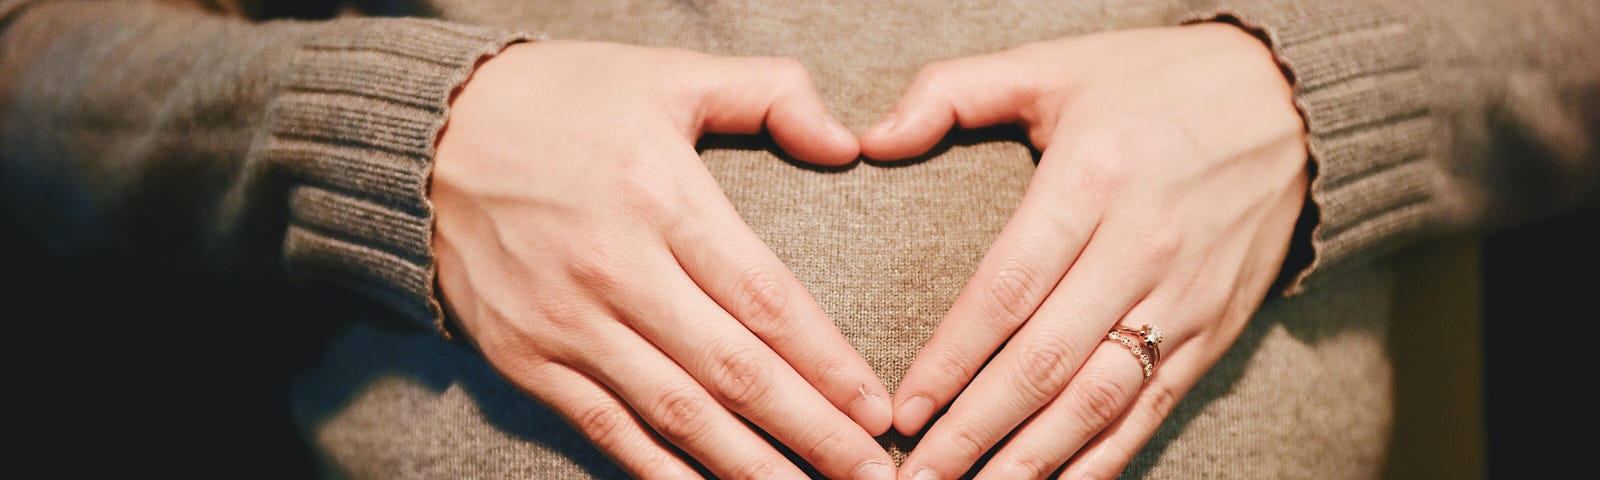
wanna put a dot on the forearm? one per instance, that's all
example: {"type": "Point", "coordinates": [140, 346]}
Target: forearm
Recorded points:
{"type": "Point", "coordinates": [222, 145]}
{"type": "Point", "coordinates": [1430, 118]}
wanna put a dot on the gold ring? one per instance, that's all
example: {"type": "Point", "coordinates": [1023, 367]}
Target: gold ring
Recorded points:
{"type": "Point", "coordinates": [1144, 342]}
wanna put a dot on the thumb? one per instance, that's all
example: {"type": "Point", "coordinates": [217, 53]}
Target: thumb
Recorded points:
{"type": "Point", "coordinates": [744, 94]}
{"type": "Point", "coordinates": [971, 92]}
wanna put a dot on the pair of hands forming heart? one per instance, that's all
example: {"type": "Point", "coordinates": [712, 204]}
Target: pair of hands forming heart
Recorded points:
{"type": "Point", "coordinates": [586, 250]}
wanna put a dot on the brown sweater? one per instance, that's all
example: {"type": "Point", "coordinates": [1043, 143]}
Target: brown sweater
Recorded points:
{"type": "Point", "coordinates": [208, 136]}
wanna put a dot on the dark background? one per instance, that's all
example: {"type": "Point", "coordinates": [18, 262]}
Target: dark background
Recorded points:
{"type": "Point", "coordinates": [117, 368]}
{"type": "Point", "coordinates": [128, 371]}
{"type": "Point", "coordinates": [1540, 292]}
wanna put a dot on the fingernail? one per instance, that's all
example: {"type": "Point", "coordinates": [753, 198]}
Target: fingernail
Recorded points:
{"type": "Point", "coordinates": [917, 408]}
{"type": "Point", "coordinates": [925, 474]}
{"type": "Point", "coordinates": [874, 471]}
{"type": "Point", "coordinates": [870, 409]}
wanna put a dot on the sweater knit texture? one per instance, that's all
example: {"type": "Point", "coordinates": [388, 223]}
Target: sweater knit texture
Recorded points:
{"type": "Point", "coordinates": [217, 137]}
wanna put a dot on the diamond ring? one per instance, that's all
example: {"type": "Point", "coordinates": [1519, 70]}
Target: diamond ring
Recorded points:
{"type": "Point", "coordinates": [1143, 342]}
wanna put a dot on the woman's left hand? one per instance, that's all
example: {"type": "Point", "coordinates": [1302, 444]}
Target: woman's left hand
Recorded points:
{"type": "Point", "coordinates": [1174, 168]}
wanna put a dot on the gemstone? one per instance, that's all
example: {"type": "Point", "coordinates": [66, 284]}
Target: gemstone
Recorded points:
{"type": "Point", "coordinates": [1152, 335]}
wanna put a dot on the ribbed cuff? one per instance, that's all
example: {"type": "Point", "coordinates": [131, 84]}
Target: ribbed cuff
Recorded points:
{"type": "Point", "coordinates": [1356, 71]}
{"type": "Point", "coordinates": [356, 123]}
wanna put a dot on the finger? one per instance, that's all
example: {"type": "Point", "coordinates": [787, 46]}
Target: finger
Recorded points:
{"type": "Point", "coordinates": [1036, 364]}
{"type": "Point", "coordinates": [744, 374]}
{"type": "Point", "coordinates": [1095, 397]}
{"type": "Point", "coordinates": [745, 94]}
{"type": "Point", "coordinates": [737, 269]}
{"type": "Point", "coordinates": [1027, 259]}
{"type": "Point", "coordinates": [970, 92]}
{"type": "Point", "coordinates": [1180, 368]}
{"type": "Point", "coordinates": [679, 408]}
{"type": "Point", "coordinates": [1110, 452]}
{"type": "Point", "coordinates": [602, 418]}
{"type": "Point", "coordinates": [1113, 448]}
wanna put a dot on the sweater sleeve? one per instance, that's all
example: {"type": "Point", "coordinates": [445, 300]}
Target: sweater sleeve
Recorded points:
{"type": "Point", "coordinates": [219, 145]}
{"type": "Point", "coordinates": [1432, 117]}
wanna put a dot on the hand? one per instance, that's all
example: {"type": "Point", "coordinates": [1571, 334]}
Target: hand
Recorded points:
{"type": "Point", "coordinates": [1173, 170]}
{"type": "Point", "coordinates": [586, 250]}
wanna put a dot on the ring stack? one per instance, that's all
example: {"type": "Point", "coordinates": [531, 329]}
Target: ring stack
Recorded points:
{"type": "Point", "coordinates": [1144, 343]}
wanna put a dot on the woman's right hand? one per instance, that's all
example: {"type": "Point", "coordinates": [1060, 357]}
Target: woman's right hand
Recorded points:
{"type": "Point", "coordinates": [588, 253]}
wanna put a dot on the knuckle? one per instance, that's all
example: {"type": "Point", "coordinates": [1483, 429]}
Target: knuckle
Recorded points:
{"type": "Point", "coordinates": [604, 425]}
{"type": "Point", "coordinates": [1012, 295]}
{"type": "Point", "coordinates": [564, 321]}
{"type": "Point", "coordinates": [1029, 460]}
{"type": "Point", "coordinates": [825, 449]}
{"type": "Point", "coordinates": [1099, 400]}
{"type": "Point", "coordinates": [655, 460]}
{"type": "Point", "coordinates": [741, 378]}
{"type": "Point", "coordinates": [681, 414]}
{"type": "Point", "coordinates": [968, 442]}
{"type": "Point", "coordinates": [1109, 163]}
{"type": "Point", "coordinates": [757, 469]}
{"type": "Point", "coordinates": [830, 369]}
{"type": "Point", "coordinates": [1044, 370]}
{"type": "Point", "coordinates": [829, 373]}
{"type": "Point", "coordinates": [1107, 174]}
{"type": "Point", "coordinates": [762, 301]}
{"type": "Point", "coordinates": [1161, 243]}
{"type": "Point", "coordinates": [594, 271]}
{"type": "Point", "coordinates": [950, 363]}
{"type": "Point", "coordinates": [646, 190]}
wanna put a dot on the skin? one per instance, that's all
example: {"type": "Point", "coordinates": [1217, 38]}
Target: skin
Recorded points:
{"type": "Point", "coordinates": [1173, 170]}
{"type": "Point", "coordinates": [586, 251]}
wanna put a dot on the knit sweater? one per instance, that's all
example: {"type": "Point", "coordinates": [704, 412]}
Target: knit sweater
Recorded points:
{"type": "Point", "coordinates": [218, 137]}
